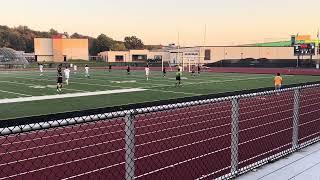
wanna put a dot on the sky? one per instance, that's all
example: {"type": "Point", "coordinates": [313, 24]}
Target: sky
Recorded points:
{"type": "Point", "coordinates": [226, 22]}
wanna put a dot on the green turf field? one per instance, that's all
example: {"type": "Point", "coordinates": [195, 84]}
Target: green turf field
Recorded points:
{"type": "Point", "coordinates": [29, 84]}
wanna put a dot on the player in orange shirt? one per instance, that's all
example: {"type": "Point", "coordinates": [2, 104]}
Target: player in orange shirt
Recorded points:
{"type": "Point", "coordinates": [278, 81]}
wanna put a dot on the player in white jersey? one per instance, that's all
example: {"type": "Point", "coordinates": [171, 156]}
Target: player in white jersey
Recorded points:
{"type": "Point", "coordinates": [75, 68]}
{"type": "Point", "coordinates": [41, 69]}
{"type": "Point", "coordinates": [67, 75]}
{"type": "Point", "coordinates": [147, 69]}
{"type": "Point", "coordinates": [86, 68]}
{"type": "Point", "coordinates": [180, 68]}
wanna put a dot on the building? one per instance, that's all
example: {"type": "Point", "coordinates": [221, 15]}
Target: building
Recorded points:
{"type": "Point", "coordinates": [134, 56]}
{"type": "Point", "coordinates": [211, 54]}
{"type": "Point", "coordinates": [200, 55]}
{"type": "Point", "coordinates": [59, 49]}
{"type": "Point", "coordinates": [273, 53]}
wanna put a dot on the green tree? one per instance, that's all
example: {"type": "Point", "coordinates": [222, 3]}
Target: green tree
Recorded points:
{"type": "Point", "coordinates": [53, 32]}
{"type": "Point", "coordinates": [16, 41]}
{"type": "Point", "coordinates": [119, 46]}
{"type": "Point", "coordinates": [76, 36]}
{"type": "Point", "coordinates": [4, 34]}
{"type": "Point", "coordinates": [133, 42]}
{"type": "Point", "coordinates": [103, 43]}
{"type": "Point", "coordinates": [22, 38]}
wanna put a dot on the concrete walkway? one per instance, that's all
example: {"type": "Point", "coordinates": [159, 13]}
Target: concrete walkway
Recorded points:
{"type": "Point", "coordinates": [302, 165]}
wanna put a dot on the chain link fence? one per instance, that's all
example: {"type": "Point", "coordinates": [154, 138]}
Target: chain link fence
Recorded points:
{"type": "Point", "coordinates": [217, 138]}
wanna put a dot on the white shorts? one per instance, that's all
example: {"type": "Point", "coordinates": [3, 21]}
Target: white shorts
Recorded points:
{"type": "Point", "coordinates": [277, 87]}
{"type": "Point", "coordinates": [147, 74]}
{"type": "Point", "coordinates": [67, 77]}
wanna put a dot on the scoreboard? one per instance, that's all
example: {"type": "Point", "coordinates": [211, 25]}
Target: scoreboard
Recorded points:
{"type": "Point", "coordinates": [305, 49]}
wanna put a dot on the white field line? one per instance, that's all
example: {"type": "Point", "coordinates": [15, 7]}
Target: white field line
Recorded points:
{"type": "Point", "coordinates": [152, 85]}
{"type": "Point", "coordinates": [168, 79]}
{"type": "Point", "coordinates": [161, 85]}
{"type": "Point", "coordinates": [104, 80]}
{"type": "Point", "coordinates": [159, 73]}
{"type": "Point", "coordinates": [30, 84]}
{"type": "Point", "coordinates": [219, 81]}
{"type": "Point", "coordinates": [101, 85]}
{"type": "Point", "coordinates": [20, 94]}
{"type": "Point", "coordinates": [158, 86]}
{"type": "Point", "coordinates": [62, 96]}
{"type": "Point", "coordinates": [110, 80]}
{"type": "Point", "coordinates": [175, 92]}
{"type": "Point", "coordinates": [111, 86]}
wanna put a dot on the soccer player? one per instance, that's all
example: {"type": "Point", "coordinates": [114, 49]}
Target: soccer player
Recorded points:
{"type": "Point", "coordinates": [180, 67]}
{"type": "Point", "coordinates": [67, 75]}
{"type": "Point", "coordinates": [41, 69]}
{"type": "Point", "coordinates": [193, 72]}
{"type": "Point", "coordinates": [178, 78]}
{"type": "Point", "coordinates": [59, 79]}
{"type": "Point", "coordinates": [147, 69]}
{"type": "Point", "coordinates": [128, 70]}
{"type": "Point", "coordinates": [199, 69]}
{"type": "Point", "coordinates": [86, 68]}
{"type": "Point", "coordinates": [110, 67]}
{"type": "Point", "coordinates": [75, 68]}
{"type": "Point", "coordinates": [278, 81]}
{"type": "Point", "coordinates": [164, 71]}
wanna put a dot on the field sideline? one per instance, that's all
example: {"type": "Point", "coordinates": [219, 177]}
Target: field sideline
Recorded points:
{"type": "Point", "coordinates": [106, 89]}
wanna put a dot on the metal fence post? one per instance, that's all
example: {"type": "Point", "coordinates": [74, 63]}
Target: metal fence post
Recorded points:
{"type": "Point", "coordinates": [296, 112]}
{"type": "Point", "coordinates": [234, 135]}
{"type": "Point", "coordinates": [129, 146]}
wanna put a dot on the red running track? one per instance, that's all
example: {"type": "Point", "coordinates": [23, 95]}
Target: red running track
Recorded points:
{"type": "Point", "coordinates": [309, 126]}
{"type": "Point", "coordinates": [265, 127]}
{"type": "Point", "coordinates": [186, 143]}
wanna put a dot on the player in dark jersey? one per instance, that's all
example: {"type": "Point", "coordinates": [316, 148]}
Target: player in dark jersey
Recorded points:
{"type": "Point", "coordinates": [178, 78]}
{"type": "Point", "coordinates": [199, 69]}
{"type": "Point", "coordinates": [128, 70]}
{"type": "Point", "coordinates": [164, 71]}
{"type": "Point", "coordinates": [193, 72]}
{"type": "Point", "coordinates": [59, 79]}
{"type": "Point", "coordinates": [110, 67]}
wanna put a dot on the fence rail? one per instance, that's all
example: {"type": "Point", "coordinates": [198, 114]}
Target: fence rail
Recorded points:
{"type": "Point", "coordinates": [217, 138]}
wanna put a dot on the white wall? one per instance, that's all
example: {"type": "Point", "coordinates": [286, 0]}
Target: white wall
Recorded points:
{"type": "Point", "coordinates": [45, 58]}
{"type": "Point", "coordinates": [220, 53]}
{"type": "Point", "coordinates": [217, 54]}
{"type": "Point", "coordinates": [109, 56]}
{"type": "Point", "coordinates": [43, 46]}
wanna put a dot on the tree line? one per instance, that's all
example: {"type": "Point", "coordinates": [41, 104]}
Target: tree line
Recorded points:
{"type": "Point", "coordinates": [21, 38]}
